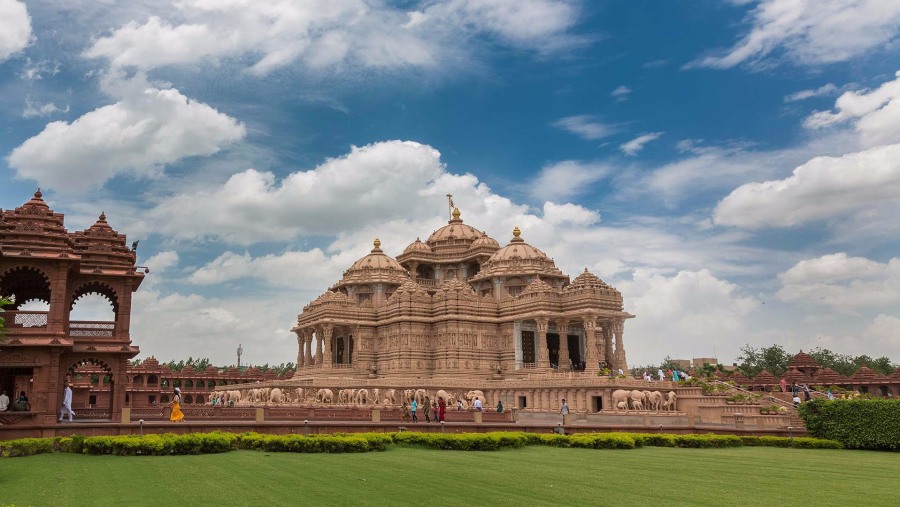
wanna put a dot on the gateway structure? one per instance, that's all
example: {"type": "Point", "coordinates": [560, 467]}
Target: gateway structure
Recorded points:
{"type": "Point", "coordinates": [460, 305]}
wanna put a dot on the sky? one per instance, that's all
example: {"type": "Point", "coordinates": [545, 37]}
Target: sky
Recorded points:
{"type": "Point", "coordinates": [732, 167]}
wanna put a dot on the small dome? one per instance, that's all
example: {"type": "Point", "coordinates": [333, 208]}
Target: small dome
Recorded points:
{"type": "Point", "coordinates": [485, 241]}
{"type": "Point", "coordinates": [377, 267]}
{"type": "Point", "coordinates": [518, 249]}
{"type": "Point", "coordinates": [377, 259]}
{"type": "Point", "coordinates": [417, 246]}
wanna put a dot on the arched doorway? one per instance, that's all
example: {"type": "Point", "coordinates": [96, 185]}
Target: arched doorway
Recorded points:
{"type": "Point", "coordinates": [93, 389]}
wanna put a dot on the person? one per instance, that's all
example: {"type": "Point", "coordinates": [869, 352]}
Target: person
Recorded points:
{"type": "Point", "coordinates": [661, 375]}
{"type": "Point", "coordinates": [22, 404]}
{"type": "Point", "coordinates": [806, 393]}
{"type": "Point", "coordinates": [478, 404]}
{"type": "Point", "coordinates": [4, 401]}
{"type": "Point", "coordinates": [783, 385]}
{"type": "Point", "coordinates": [427, 411]}
{"type": "Point", "coordinates": [620, 372]}
{"type": "Point", "coordinates": [177, 415]}
{"type": "Point", "coordinates": [794, 388]}
{"type": "Point", "coordinates": [405, 412]}
{"type": "Point", "coordinates": [66, 408]}
{"type": "Point", "coordinates": [796, 400]}
{"type": "Point", "coordinates": [412, 408]}
{"type": "Point", "coordinates": [830, 395]}
{"type": "Point", "coordinates": [458, 404]}
{"type": "Point", "coordinates": [500, 407]}
{"type": "Point", "coordinates": [674, 375]}
{"type": "Point", "coordinates": [442, 407]}
{"type": "Point", "coordinates": [564, 410]}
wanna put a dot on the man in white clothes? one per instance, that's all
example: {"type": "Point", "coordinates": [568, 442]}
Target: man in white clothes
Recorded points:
{"type": "Point", "coordinates": [661, 375]}
{"type": "Point", "coordinates": [478, 404]}
{"type": "Point", "coordinates": [67, 404]}
{"type": "Point", "coordinates": [4, 401]}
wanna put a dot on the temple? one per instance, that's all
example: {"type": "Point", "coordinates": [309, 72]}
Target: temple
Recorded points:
{"type": "Point", "coordinates": [460, 305]}
{"type": "Point", "coordinates": [44, 264]}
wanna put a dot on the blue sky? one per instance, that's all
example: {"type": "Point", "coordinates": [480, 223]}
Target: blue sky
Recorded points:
{"type": "Point", "coordinates": [731, 166]}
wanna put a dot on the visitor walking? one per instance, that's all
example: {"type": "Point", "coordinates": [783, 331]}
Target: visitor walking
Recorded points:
{"type": "Point", "coordinates": [413, 406]}
{"type": "Point", "coordinates": [4, 401]}
{"type": "Point", "coordinates": [405, 412]}
{"type": "Point", "coordinates": [564, 410]}
{"type": "Point", "coordinates": [177, 415]}
{"type": "Point", "coordinates": [661, 375]}
{"type": "Point", "coordinates": [783, 385]}
{"type": "Point", "coordinates": [675, 376]}
{"type": "Point", "coordinates": [830, 395]}
{"type": "Point", "coordinates": [806, 393]}
{"type": "Point", "coordinates": [442, 408]}
{"type": "Point", "coordinates": [66, 408]}
{"type": "Point", "coordinates": [458, 404]}
{"type": "Point", "coordinates": [478, 404]}
{"type": "Point", "coordinates": [500, 407]}
{"type": "Point", "coordinates": [794, 389]}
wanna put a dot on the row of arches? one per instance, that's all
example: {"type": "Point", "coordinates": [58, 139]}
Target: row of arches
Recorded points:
{"type": "Point", "coordinates": [31, 288]}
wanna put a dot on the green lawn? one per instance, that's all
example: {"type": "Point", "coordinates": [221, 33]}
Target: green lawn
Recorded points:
{"type": "Point", "coordinates": [402, 476]}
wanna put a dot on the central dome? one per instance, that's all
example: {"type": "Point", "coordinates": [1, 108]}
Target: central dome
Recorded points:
{"type": "Point", "coordinates": [454, 233]}
{"type": "Point", "coordinates": [376, 267]}
{"type": "Point", "coordinates": [377, 259]}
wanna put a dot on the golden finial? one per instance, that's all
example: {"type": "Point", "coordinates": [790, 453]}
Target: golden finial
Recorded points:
{"type": "Point", "coordinates": [517, 232]}
{"type": "Point", "coordinates": [456, 213]}
{"type": "Point", "coordinates": [377, 243]}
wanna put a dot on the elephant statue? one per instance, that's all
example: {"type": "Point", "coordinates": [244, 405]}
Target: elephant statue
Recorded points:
{"type": "Point", "coordinates": [343, 396]}
{"type": "Point", "coordinates": [623, 405]}
{"type": "Point", "coordinates": [376, 396]}
{"type": "Point", "coordinates": [276, 396]}
{"type": "Point", "coordinates": [637, 400]}
{"type": "Point", "coordinates": [443, 395]}
{"type": "Point", "coordinates": [421, 397]}
{"type": "Point", "coordinates": [619, 396]}
{"type": "Point", "coordinates": [409, 395]}
{"type": "Point", "coordinates": [390, 397]}
{"type": "Point", "coordinates": [671, 397]}
{"type": "Point", "coordinates": [362, 397]}
{"type": "Point", "coordinates": [472, 395]}
{"type": "Point", "coordinates": [656, 400]}
{"type": "Point", "coordinates": [325, 396]}
{"type": "Point", "coordinates": [301, 394]}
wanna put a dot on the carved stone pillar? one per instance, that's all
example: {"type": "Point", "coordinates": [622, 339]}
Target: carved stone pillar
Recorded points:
{"type": "Point", "coordinates": [619, 329]}
{"type": "Point", "coordinates": [543, 358]}
{"type": "Point", "coordinates": [327, 352]}
{"type": "Point", "coordinates": [301, 346]}
{"type": "Point", "coordinates": [319, 362]}
{"type": "Point", "coordinates": [307, 348]}
{"type": "Point", "coordinates": [562, 329]}
{"type": "Point", "coordinates": [590, 343]}
{"type": "Point", "coordinates": [608, 345]}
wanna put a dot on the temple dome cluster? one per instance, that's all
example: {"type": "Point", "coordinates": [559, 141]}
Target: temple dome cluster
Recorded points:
{"type": "Point", "coordinates": [459, 302]}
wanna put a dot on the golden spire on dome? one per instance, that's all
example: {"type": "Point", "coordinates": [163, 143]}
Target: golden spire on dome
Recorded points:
{"type": "Point", "coordinates": [456, 213]}
{"type": "Point", "coordinates": [517, 232]}
{"type": "Point", "coordinates": [377, 243]}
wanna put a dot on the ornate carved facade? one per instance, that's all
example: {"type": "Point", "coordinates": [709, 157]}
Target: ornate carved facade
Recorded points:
{"type": "Point", "coordinates": [458, 304]}
{"type": "Point", "coordinates": [40, 261]}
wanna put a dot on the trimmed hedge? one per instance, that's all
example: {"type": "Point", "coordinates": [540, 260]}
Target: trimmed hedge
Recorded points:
{"type": "Point", "coordinates": [216, 442]}
{"type": "Point", "coordinates": [856, 423]}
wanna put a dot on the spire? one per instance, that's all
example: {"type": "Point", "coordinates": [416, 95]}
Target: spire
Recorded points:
{"type": "Point", "coordinates": [377, 245]}
{"type": "Point", "coordinates": [517, 236]}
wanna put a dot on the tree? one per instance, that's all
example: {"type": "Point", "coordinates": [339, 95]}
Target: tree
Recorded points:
{"type": "Point", "coordinates": [4, 302]}
{"type": "Point", "coordinates": [753, 361]}
{"type": "Point", "coordinates": [847, 365]}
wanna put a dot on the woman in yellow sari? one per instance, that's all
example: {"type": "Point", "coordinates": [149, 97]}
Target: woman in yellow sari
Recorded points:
{"type": "Point", "coordinates": [177, 414]}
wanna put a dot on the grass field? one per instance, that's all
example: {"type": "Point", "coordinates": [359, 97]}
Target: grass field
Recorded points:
{"type": "Point", "coordinates": [403, 476]}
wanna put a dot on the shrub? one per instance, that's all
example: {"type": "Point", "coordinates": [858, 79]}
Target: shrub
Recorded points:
{"type": "Point", "coordinates": [706, 441]}
{"type": "Point", "coordinates": [602, 441]}
{"type": "Point", "coordinates": [160, 445]}
{"type": "Point", "coordinates": [815, 443]}
{"type": "Point", "coordinates": [26, 447]}
{"type": "Point", "coordinates": [856, 423]}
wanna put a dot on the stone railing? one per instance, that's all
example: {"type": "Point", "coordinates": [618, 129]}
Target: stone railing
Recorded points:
{"type": "Point", "coordinates": [93, 413]}
{"type": "Point", "coordinates": [426, 282]}
{"type": "Point", "coordinates": [92, 328]}
{"type": "Point", "coordinates": [26, 319]}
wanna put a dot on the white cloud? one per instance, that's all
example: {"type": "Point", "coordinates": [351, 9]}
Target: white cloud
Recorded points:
{"type": "Point", "coordinates": [691, 313]}
{"type": "Point", "coordinates": [566, 179]}
{"type": "Point", "coordinates": [824, 90]}
{"type": "Point", "coordinates": [163, 261]}
{"type": "Point", "coordinates": [812, 32]}
{"type": "Point", "coordinates": [621, 93]}
{"type": "Point", "coordinates": [290, 269]}
{"type": "Point", "coordinates": [637, 144]}
{"type": "Point", "coordinates": [875, 113]}
{"type": "Point", "coordinates": [15, 28]}
{"type": "Point", "coordinates": [364, 33]}
{"type": "Point", "coordinates": [585, 126]}
{"type": "Point", "coordinates": [33, 110]}
{"type": "Point", "coordinates": [825, 188]}
{"type": "Point", "coordinates": [147, 128]}
{"type": "Point", "coordinates": [35, 71]}
{"type": "Point", "coordinates": [844, 283]}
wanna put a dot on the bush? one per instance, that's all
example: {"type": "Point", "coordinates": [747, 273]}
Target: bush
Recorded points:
{"type": "Point", "coordinates": [160, 445]}
{"type": "Point", "coordinates": [26, 447]}
{"type": "Point", "coordinates": [856, 423]}
{"type": "Point", "coordinates": [602, 441]}
{"type": "Point", "coordinates": [815, 443]}
{"type": "Point", "coordinates": [310, 444]}
{"type": "Point", "coordinates": [707, 441]}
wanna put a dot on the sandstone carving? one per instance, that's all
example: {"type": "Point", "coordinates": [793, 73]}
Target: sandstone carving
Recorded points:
{"type": "Point", "coordinates": [325, 396]}
{"type": "Point", "coordinates": [619, 397]}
